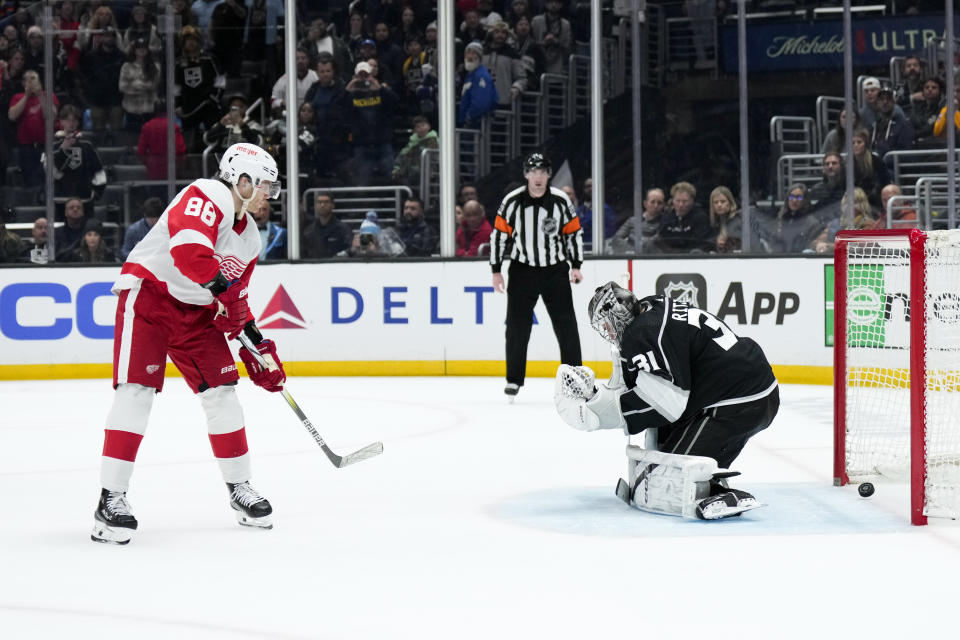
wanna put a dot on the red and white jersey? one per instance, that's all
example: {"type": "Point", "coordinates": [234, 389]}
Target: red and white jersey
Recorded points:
{"type": "Point", "coordinates": [194, 239]}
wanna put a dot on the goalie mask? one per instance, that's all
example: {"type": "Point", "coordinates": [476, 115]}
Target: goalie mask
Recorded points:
{"type": "Point", "coordinates": [611, 310]}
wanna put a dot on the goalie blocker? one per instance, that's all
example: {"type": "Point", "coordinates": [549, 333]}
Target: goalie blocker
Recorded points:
{"type": "Point", "coordinates": [683, 372]}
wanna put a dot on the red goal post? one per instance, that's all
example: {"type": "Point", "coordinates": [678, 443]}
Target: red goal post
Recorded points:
{"type": "Point", "coordinates": [897, 363]}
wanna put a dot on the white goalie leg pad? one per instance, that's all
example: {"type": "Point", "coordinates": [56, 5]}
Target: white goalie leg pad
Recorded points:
{"type": "Point", "coordinates": [668, 483]}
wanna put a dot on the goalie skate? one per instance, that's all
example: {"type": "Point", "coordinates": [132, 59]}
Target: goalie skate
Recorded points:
{"type": "Point", "coordinates": [113, 523]}
{"type": "Point", "coordinates": [251, 509]}
{"type": "Point", "coordinates": [726, 504]}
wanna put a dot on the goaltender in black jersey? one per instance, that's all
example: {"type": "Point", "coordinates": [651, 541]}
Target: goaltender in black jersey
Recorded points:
{"type": "Point", "coordinates": [682, 371]}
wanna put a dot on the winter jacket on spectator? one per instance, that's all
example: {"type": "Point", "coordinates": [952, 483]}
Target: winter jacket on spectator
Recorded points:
{"type": "Point", "coordinates": [100, 69]}
{"type": "Point", "coordinates": [585, 214]}
{"type": "Point", "coordinates": [507, 70]}
{"type": "Point", "coordinates": [326, 240]}
{"type": "Point", "coordinates": [478, 98]}
{"type": "Point", "coordinates": [407, 164]}
{"type": "Point", "coordinates": [692, 231]}
{"type": "Point", "coordinates": [371, 115]}
{"type": "Point", "coordinates": [419, 238]}
{"type": "Point", "coordinates": [893, 133]}
{"type": "Point", "coordinates": [329, 105]}
{"type": "Point", "coordinates": [557, 50]}
{"type": "Point", "coordinates": [924, 116]}
{"type": "Point", "coordinates": [139, 91]}
{"type": "Point", "coordinates": [792, 231]}
{"type": "Point", "coordinates": [469, 241]}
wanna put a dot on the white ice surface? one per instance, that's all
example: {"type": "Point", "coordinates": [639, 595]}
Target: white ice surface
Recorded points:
{"type": "Point", "coordinates": [480, 520]}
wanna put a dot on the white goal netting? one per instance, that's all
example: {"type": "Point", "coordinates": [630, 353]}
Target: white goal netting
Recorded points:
{"type": "Point", "coordinates": [878, 423]}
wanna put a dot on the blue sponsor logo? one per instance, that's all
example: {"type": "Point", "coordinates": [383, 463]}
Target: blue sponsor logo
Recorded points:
{"type": "Point", "coordinates": [347, 305]}
{"type": "Point", "coordinates": [72, 311]}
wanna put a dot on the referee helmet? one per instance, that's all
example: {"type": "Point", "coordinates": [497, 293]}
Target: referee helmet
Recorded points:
{"type": "Point", "coordinates": [536, 160]}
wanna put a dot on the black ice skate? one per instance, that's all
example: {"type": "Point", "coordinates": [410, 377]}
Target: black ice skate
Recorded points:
{"type": "Point", "coordinates": [112, 521]}
{"type": "Point", "coordinates": [725, 502]}
{"type": "Point", "coordinates": [252, 509]}
{"type": "Point", "coordinates": [511, 391]}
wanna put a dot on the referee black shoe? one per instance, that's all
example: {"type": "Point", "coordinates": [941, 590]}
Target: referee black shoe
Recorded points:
{"type": "Point", "coordinates": [511, 390]}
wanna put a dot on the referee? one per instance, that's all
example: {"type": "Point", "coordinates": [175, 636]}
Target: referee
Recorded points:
{"type": "Point", "coordinates": [537, 229]}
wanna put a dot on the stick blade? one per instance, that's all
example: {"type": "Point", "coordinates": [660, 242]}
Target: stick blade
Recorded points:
{"type": "Point", "coordinates": [360, 455]}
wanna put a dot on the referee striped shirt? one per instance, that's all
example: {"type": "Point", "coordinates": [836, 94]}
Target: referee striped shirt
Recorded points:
{"type": "Point", "coordinates": [539, 232]}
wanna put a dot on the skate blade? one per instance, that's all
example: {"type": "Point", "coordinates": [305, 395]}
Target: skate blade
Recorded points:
{"type": "Point", "coordinates": [249, 521]}
{"type": "Point", "coordinates": [730, 512]}
{"type": "Point", "coordinates": [110, 535]}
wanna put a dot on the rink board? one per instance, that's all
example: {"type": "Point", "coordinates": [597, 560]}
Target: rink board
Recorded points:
{"type": "Point", "coordinates": [421, 318]}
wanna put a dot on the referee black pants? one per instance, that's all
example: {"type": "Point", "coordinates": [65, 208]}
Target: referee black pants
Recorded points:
{"type": "Point", "coordinates": [525, 285]}
{"type": "Point", "coordinates": [721, 432]}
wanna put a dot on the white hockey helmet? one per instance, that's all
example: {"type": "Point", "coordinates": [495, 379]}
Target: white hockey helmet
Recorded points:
{"type": "Point", "coordinates": [611, 310]}
{"type": "Point", "coordinates": [243, 159]}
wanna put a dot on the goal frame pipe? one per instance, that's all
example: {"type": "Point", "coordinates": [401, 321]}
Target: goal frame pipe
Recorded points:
{"type": "Point", "coordinates": [916, 240]}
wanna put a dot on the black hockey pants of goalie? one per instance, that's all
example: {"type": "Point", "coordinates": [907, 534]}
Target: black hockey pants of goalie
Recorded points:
{"type": "Point", "coordinates": [525, 286]}
{"type": "Point", "coordinates": [721, 432]}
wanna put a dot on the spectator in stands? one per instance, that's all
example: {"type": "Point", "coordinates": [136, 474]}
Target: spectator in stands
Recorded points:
{"type": "Point", "coordinates": [519, 9]}
{"type": "Point", "coordinates": [356, 34]}
{"type": "Point", "coordinates": [623, 239]}
{"type": "Point", "coordinates": [419, 237]}
{"type": "Point", "coordinates": [479, 95]}
{"type": "Point", "coordinates": [66, 238]}
{"type": "Point", "coordinates": [77, 170]}
{"type": "Point", "coordinates": [183, 14]}
{"type": "Point", "coordinates": [829, 190]}
{"type": "Point", "coordinates": [319, 41]}
{"type": "Point", "coordinates": [430, 43]}
{"type": "Point", "coordinates": [923, 115]}
{"type": "Point", "coordinates": [100, 21]}
{"type": "Point", "coordinates": [468, 192]}
{"type": "Point", "coordinates": [531, 55]}
{"type": "Point", "coordinates": [227, 22]}
{"type": "Point", "coordinates": [471, 30]}
{"type": "Point", "coordinates": [899, 214]}
{"type": "Point", "coordinates": [871, 93]}
{"type": "Point", "coordinates": [940, 126]}
{"type": "Point", "coordinates": [141, 28]}
{"type": "Point", "coordinates": [910, 90]}
{"type": "Point", "coordinates": [276, 135]}
{"type": "Point", "coordinates": [412, 73]}
{"type": "Point", "coordinates": [473, 231]}
{"type": "Point", "coordinates": [152, 146]}
{"type": "Point", "coordinates": [891, 130]}
{"type": "Point", "coordinates": [425, 97]}
{"type": "Point", "coordinates": [203, 11]}
{"type": "Point", "coordinates": [796, 226]}
{"type": "Point", "coordinates": [198, 84]}
{"type": "Point", "coordinates": [408, 26]}
{"type": "Point", "coordinates": [36, 252]}
{"type": "Point", "coordinates": [836, 139]}
{"type": "Point", "coordinates": [152, 210]}
{"type": "Point", "coordinates": [684, 226]}
{"type": "Point", "coordinates": [11, 83]}
{"type": "Point", "coordinates": [273, 237]}
{"type": "Point", "coordinates": [139, 81]}
{"type": "Point", "coordinates": [306, 77]}
{"type": "Point", "coordinates": [552, 32]}
{"type": "Point", "coordinates": [11, 246]}
{"type": "Point", "coordinates": [328, 98]}
{"type": "Point", "coordinates": [488, 17]}
{"type": "Point", "coordinates": [389, 54]}
{"type": "Point", "coordinates": [33, 54]}
{"type": "Point", "coordinates": [869, 171]}
{"type": "Point", "coordinates": [372, 240]}
{"type": "Point", "coordinates": [234, 126]}
{"type": "Point", "coordinates": [66, 26]}
{"type": "Point", "coordinates": [726, 220]}
{"type": "Point", "coordinates": [406, 169]}
{"type": "Point", "coordinates": [863, 218]}
{"type": "Point", "coordinates": [326, 236]}
{"type": "Point", "coordinates": [92, 247]}
{"type": "Point", "coordinates": [504, 64]}
{"type": "Point", "coordinates": [383, 73]}
{"type": "Point", "coordinates": [572, 194]}
{"type": "Point", "coordinates": [260, 36]}
{"type": "Point", "coordinates": [100, 73]}
{"type": "Point", "coordinates": [585, 213]}
{"type": "Point", "coordinates": [371, 109]}
{"type": "Point", "coordinates": [26, 112]}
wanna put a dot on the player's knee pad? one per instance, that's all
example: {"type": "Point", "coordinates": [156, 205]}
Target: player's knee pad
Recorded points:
{"type": "Point", "coordinates": [668, 483]}
{"type": "Point", "coordinates": [131, 408]}
{"type": "Point", "coordinates": [222, 407]}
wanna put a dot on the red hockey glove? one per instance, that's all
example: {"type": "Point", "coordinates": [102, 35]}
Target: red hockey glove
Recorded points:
{"type": "Point", "coordinates": [271, 379]}
{"type": "Point", "coordinates": [234, 312]}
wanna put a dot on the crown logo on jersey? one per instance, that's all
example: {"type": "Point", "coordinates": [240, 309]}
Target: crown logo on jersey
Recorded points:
{"type": "Point", "coordinates": [281, 313]}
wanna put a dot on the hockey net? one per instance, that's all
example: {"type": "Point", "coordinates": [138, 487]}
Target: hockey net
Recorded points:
{"type": "Point", "coordinates": [897, 364]}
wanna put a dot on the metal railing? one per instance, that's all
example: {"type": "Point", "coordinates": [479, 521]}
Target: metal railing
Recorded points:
{"type": "Point", "coordinates": [529, 133]}
{"type": "Point", "coordinates": [791, 169]}
{"type": "Point", "coordinates": [578, 88]}
{"type": "Point", "coordinates": [897, 207]}
{"type": "Point", "coordinates": [907, 167]}
{"type": "Point", "coordinates": [553, 105]}
{"type": "Point", "coordinates": [828, 114]}
{"type": "Point", "coordinates": [473, 165]}
{"type": "Point", "coordinates": [794, 134]}
{"type": "Point", "coordinates": [692, 44]}
{"type": "Point", "coordinates": [353, 203]}
{"type": "Point", "coordinates": [429, 176]}
{"type": "Point", "coordinates": [933, 202]}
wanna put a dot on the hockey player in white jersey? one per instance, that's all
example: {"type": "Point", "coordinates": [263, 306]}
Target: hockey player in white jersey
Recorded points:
{"type": "Point", "coordinates": [682, 372]}
{"type": "Point", "coordinates": [182, 293]}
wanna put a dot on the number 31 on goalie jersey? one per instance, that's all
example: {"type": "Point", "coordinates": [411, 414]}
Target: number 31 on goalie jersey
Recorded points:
{"type": "Point", "coordinates": [724, 336]}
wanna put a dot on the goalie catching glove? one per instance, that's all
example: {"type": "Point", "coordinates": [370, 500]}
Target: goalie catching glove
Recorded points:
{"type": "Point", "coordinates": [271, 378]}
{"type": "Point", "coordinates": [584, 406]}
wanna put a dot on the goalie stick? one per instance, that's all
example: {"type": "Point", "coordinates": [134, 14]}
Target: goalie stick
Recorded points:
{"type": "Point", "coordinates": [249, 338]}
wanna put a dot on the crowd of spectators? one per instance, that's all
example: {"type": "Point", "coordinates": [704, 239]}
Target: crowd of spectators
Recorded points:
{"type": "Point", "coordinates": [366, 90]}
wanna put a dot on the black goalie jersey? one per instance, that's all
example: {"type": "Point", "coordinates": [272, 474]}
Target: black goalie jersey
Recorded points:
{"type": "Point", "coordinates": [679, 360]}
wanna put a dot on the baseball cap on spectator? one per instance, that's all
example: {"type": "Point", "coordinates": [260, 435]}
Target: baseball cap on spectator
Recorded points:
{"type": "Point", "coordinates": [432, 26]}
{"type": "Point", "coordinates": [368, 41]}
{"type": "Point", "coordinates": [885, 91]}
{"type": "Point", "coordinates": [363, 66]}
{"type": "Point", "coordinates": [871, 83]}
{"type": "Point", "coordinates": [475, 47]}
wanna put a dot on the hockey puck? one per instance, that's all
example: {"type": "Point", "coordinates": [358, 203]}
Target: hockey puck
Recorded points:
{"type": "Point", "coordinates": [865, 490]}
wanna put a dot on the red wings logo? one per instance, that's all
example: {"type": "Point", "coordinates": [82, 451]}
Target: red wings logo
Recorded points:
{"type": "Point", "coordinates": [230, 266]}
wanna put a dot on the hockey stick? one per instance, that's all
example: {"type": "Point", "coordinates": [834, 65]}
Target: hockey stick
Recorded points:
{"type": "Point", "coordinates": [250, 337]}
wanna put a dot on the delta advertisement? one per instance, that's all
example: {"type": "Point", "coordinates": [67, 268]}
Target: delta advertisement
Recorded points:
{"type": "Point", "coordinates": [415, 318]}
{"type": "Point", "coordinates": [818, 44]}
